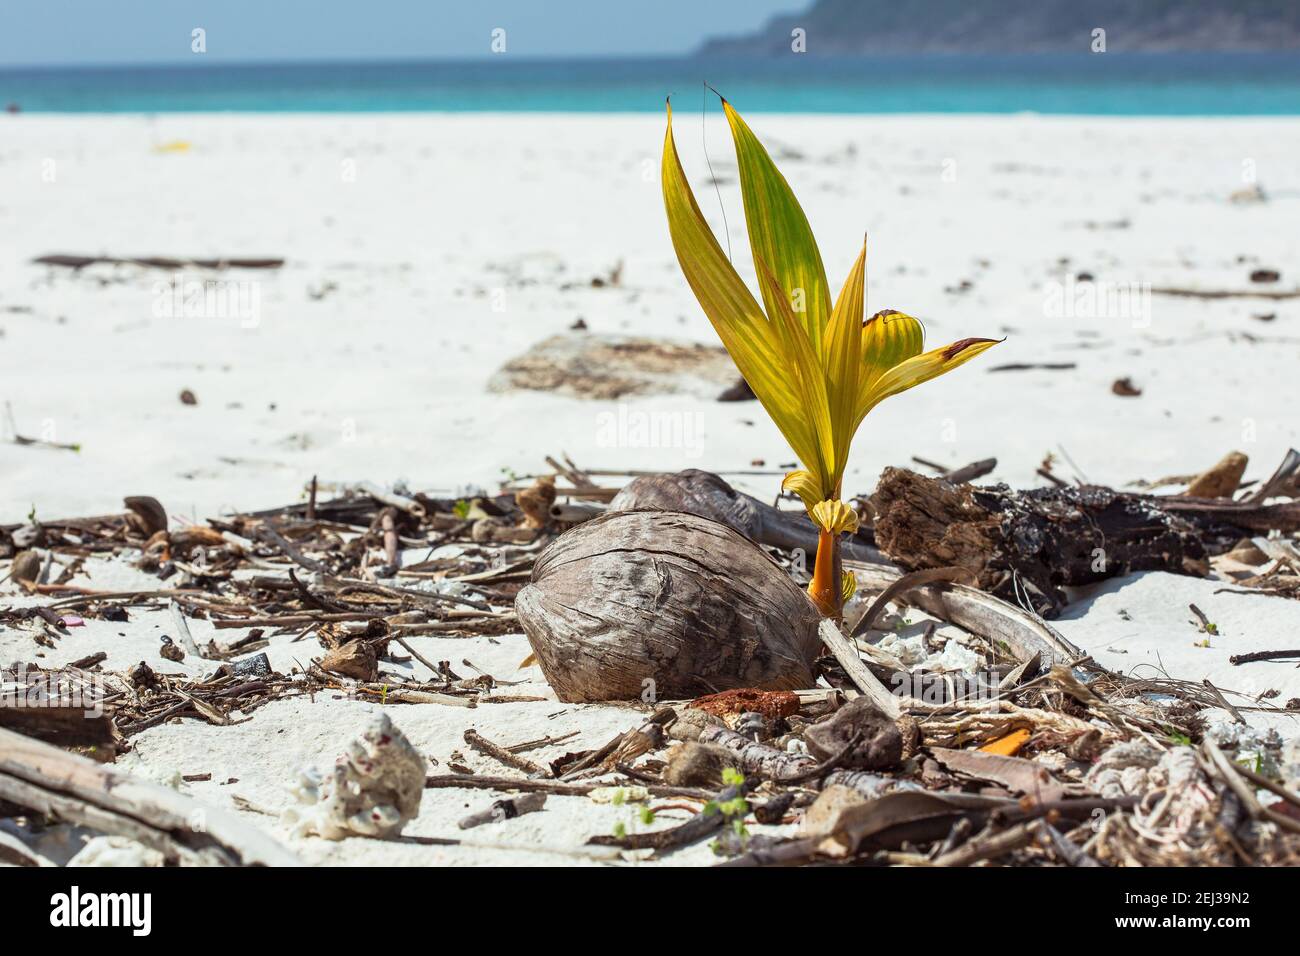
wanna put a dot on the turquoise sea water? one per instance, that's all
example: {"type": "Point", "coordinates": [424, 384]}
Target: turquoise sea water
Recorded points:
{"type": "Point", "coordinates": [1110, 83]}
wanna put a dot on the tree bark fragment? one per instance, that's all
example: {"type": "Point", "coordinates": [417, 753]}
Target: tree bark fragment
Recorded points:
{"type": "Point", "coordinates": [1042, 540]}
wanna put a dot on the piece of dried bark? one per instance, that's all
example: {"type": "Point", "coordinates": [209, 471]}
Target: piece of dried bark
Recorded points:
{"type": "Point", "coordinates": [355, 659]}
{"type": "Point", "coordinates": [1220, 481]}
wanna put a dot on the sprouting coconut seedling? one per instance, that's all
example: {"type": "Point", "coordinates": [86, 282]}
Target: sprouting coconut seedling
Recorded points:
{"type": "Point", "coordinates": [814, 364]}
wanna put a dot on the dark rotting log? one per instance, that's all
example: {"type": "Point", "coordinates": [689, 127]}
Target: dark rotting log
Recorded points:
{"type": "Point", "coordinates": [1038, 541]}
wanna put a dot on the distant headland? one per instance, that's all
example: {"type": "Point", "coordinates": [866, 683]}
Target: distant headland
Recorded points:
{"type": "Point", "coordinates": [851, 27]}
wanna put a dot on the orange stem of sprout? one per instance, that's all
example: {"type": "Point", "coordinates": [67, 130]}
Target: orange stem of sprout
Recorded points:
{"type": "Point", "coordinates": [825, 587]}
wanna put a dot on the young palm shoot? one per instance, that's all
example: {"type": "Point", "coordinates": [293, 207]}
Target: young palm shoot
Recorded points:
{"type": "Point", "coordinates": [814, 364]}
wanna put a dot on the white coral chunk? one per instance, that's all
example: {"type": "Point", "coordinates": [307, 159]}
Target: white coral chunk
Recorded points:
{"type": "Point", "coordinates": [373, 789]}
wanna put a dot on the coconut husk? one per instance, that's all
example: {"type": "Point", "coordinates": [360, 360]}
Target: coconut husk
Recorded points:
{"type": "Point", "coordinates": [658, 605]}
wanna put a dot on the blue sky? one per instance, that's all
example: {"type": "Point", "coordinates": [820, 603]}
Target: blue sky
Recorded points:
{"type": "Point", "coordinates": [89, 32]}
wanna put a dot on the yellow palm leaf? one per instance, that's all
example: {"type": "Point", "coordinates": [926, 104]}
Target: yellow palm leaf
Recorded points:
{"type": "Point", "coordinates": [816, 369]}
{"type": "Point", "coordinates": [804, 484]}
{"type": "Point", "coordinates": [757, 348]}
{"type": "Point", "coordinates": [805, 369]}
{"type": "Point", "coordinates": [889, 337]}
{"type": "Point", "coordinates": [921, 368]}
{"type": "Point", "coordinates": [844, 366]}
{"type": "Point", "coordinates": [779, 234]}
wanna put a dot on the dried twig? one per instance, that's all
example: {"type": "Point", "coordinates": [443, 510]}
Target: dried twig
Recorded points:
{"type": "Point", "coordinates": [496, 752]}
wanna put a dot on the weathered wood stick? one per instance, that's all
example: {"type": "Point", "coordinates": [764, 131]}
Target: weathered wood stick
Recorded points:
{"type": "Point", "coordinates": [269, 535]}
{"type": "Point", "coordinates": [990, 848]}
{"type": "Point", "coordinates": [660, 718]}
{"type": "Point", "coordinates": [402, 503]}
{"type": "Point", "coordinates": [72, 788]}
{"type": "Point", "coordinates": [976, 469]}
{"type": "Point", "coordinates": [1229, 293]}
{"type": "Point", "coordinates": [498, 753]}
{"type": "Point", "coordinates": [1262, 656]}
{"type": "Point", "coordinates": [980, 613]}
{"type": "Point", "coordinates": [182, 629]}
{"type": "Point", "coordinates": [901, 586]}
{"type": "Point", "coordinates": [157, 262]}
{"type": "Point", "coordinates": [692, 831]}
{"type": "Point", "coordinates": [858, 672]}
{"type": "Point", "coordinates": [68, 726]}
{"type": "Point", "coordinates": [559, 788]}
{"type": "Point", "coordinates": [759, 759]}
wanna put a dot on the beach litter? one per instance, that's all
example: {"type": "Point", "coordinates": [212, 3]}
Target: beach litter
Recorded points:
{"type": "Point", "coordinates": [1011, 734]}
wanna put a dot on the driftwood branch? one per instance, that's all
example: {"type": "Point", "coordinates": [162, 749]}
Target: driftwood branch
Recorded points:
{"type": "Point", "coordinates": [863, 679]}
{"type": "Point", "coordinates": [68, 787]}
{"type": "Point", "coordinates": [1276, 294]}
{"type": "Point", "coordinates": [485, 746]}
{"type": "Point", "coordinates": [556, 787]}
{"type": "Point", "coordinates": [983, 614]}
{"type": "Point", "coordinates": [156, 262]}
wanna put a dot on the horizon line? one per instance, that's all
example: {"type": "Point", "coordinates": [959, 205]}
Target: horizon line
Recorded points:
{"type": "Point", "coordinates": [201, 62]}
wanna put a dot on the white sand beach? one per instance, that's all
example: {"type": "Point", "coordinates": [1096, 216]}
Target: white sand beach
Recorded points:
{"type": "Point", "coordinates": [424, 251]}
